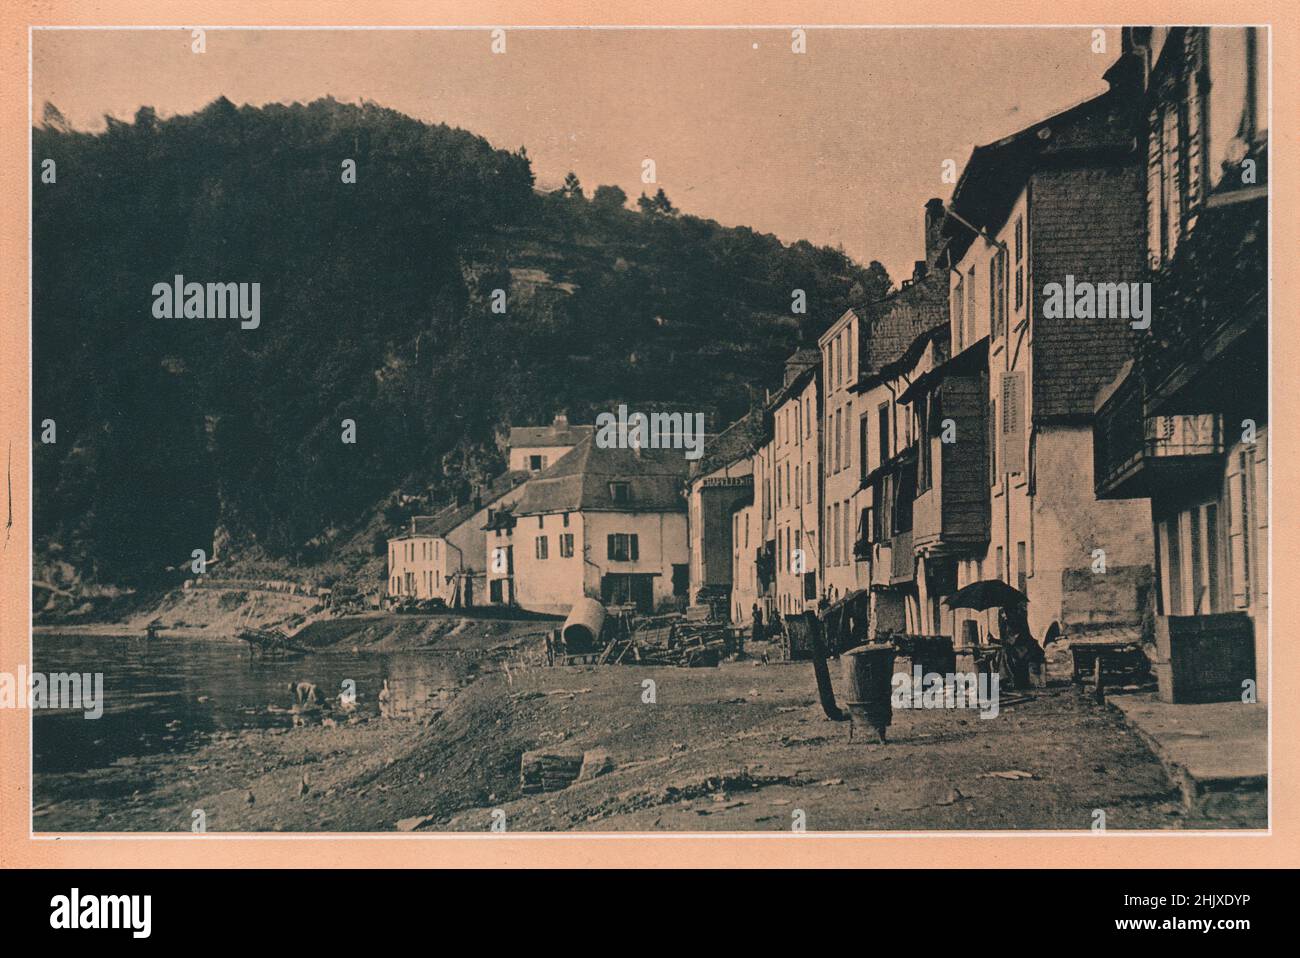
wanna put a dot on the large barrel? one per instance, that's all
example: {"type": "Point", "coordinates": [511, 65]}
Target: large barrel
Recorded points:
{"type": "Point", "coordinates": [868, 681]}
{"type": "Point", "coordinates": [582, 627]}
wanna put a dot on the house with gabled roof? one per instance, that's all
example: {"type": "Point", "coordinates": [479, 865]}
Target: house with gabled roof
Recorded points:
{"type": "Point", "coordinates": [608, 523]}
{"type": "Point", "coordinates": [441, 556]}
{"type": "Point", "coordinates": [1055, 207]}
{"type": "Point", "coordinates": [533, 448]}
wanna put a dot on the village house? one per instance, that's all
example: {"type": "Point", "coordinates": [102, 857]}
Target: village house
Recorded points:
{"type": "Point", "coordinates": [721, 483]}
{"type": "Point", "coordinates": [840, 478]}
{"type": "Point", "coordinates": [440, 556]}
{"type": "Point", "coordinates": [951, 510]}
{"type": "Point", "coordinates": [795, 414]}
{"type": "Point", "coordinates": [744, 566]}
{"type": "Point", "coordinates": [762, 523]}
{"type": "Point", "coordinates": [608, 523]}
{"type": "Point", "coordinates": [1057, 205]}
{"type": "Point", "coordinates": [1185, 423]}
{"type": "Point", "coordinates": [850, 351]}
{"type": "Point", "coordinates": [533, 448]}
{"type": "Point", "coordinates": [893, 466]}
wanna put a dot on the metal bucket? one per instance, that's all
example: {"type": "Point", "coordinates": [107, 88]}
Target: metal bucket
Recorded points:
{"type": "Point", "coordinates": [868, 681]}
{"type": "Point", "coordinates": [583, 625]}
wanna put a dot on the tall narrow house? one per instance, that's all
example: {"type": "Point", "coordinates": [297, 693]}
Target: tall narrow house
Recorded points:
{"type": "Point", "coordinates": [906, 337]}
{"type": "Point", "coordinates": [720, 487]}
{"type": "Point", "coordinates": [1185, 424]}
{"type": "Point", "coordinates": [1044, 238]}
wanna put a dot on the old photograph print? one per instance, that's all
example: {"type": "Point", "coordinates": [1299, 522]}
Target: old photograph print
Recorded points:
{"type": "Point", "coordinates": [649, 430]}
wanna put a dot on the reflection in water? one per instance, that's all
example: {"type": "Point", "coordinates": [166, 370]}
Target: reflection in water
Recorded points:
{"type": "Point", "coordinates": [168, 694]}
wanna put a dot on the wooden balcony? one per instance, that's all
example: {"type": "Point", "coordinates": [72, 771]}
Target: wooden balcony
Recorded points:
{"type": "Point", "coordinates": [1134, 453]}
{"type": "Point", "coordinates": [951, 513]}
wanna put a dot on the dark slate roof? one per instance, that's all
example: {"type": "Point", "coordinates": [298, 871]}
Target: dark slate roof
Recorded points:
{"type": "Point", "coordinates": [553, 435]}
{"type": "Point", "coordinates": [454, 516]}
{"type": "Point", "coordinates": [579, 481]}
{"type": "Point", "coordinates": [996, 172]}
{"type": "Point", "coordinates": [896, 323]}
{"type": "Point", "coordinates": [737, 441]}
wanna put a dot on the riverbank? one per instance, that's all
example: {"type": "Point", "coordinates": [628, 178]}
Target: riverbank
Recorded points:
{"type": "Point", "coordinates": [741, 747]}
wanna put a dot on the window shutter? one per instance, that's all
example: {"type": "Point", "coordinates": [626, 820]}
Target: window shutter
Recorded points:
{"type": "Point", "coordinates": [1194, 155]}
{"type": "Point", "coordinates": [994, 327]}
{"type": "Point", "coordinates": [632, 539]}
{"type": "Point", "coordinates": [1013, 421]}
{"type": "Point", "coordinates": [612, 547]}
{"type": "Point", "coordinates": [1173, 182]}
{"type": "Point", "coordinates": [1237, 521]}
{"type": "Point", "coordinates": [1155, 150]}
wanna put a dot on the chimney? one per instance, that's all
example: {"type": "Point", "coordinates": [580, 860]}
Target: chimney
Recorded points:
{"type": "Point", "coordinates": [797, 362]}
{"type": "Point", "coordinates": [1127, 76]}
{"type": "Point", "coordinates": [561, 421]}
{"type": "Point", "coordinates": [934, 213]}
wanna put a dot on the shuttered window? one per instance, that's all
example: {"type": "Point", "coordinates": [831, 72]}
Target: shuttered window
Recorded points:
{"type": "Point", "coordinates": [1020, 262]}
{"type": "Point", "coordinates": [1155, 205]}
{"type": "Point", "coordinates": [997, 294]}
{"type": "Point", "coordinates": [1171, 179]}
{"type": "Point", "coordinates": [1013, 421]}
{"type": "Point", "coordinates": [622, 547]}
{"type": "Point", "coordinates": [1238, 503]}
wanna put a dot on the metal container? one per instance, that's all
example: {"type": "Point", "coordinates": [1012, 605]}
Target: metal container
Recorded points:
{"type": "Point", "coordinates": [582, 627]}
{"type": "Point", "coordinates": [868, 681]}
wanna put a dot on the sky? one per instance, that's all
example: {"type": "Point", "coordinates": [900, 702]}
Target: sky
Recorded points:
{"type": "Point", "coordinates": [840, 145]}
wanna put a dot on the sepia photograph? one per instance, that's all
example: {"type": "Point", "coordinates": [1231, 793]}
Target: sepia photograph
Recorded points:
{"type": "Point", "coordinates": [648, 430]}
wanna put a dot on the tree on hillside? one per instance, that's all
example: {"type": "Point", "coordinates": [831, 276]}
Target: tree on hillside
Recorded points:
{"type": "Point", "coordinates": [377, 307]}
{"type": "Point", "coordinates": [572, 188]}
{"type": "Point", "coordinates": [609, 198]}
{"type": "Point", "coordinates": [657, 205]}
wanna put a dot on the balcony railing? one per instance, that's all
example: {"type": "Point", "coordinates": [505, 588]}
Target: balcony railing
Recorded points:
{"type": "Point", "coordinates": [1131, 450]}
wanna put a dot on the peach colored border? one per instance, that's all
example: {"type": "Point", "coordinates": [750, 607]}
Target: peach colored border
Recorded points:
{"type": "Point", "coordinates": [1279, 848]}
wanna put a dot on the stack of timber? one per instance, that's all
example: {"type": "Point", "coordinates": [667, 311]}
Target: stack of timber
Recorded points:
{"type": "Point", "coordinates": [547, 771]}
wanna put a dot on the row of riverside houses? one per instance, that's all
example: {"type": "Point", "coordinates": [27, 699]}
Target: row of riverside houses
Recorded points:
{"type": "Point", "coordinates": [1107, 459]}
{"type": "Point", "coordinates": [966, 428]}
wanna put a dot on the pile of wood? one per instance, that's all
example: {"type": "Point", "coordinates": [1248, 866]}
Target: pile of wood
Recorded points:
{"type": "Point", "coordinates": [691, 647]}
{"type": "Point", "coordinates": [548, 771]}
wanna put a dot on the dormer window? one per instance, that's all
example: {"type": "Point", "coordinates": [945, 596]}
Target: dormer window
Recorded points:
{"type": "Point", "coordinates": [620, 492]}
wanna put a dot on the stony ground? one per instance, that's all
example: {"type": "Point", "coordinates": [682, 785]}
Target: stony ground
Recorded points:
{"type": "Point", "coordinates": [741, 747]}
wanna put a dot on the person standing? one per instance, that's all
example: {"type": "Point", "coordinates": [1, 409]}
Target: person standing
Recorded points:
{"type": "Point", "coordinates": [758, 626]}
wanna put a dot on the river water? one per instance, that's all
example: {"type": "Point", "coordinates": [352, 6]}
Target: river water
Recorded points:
{"type": "Point", "coordinates": [167, 695]}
